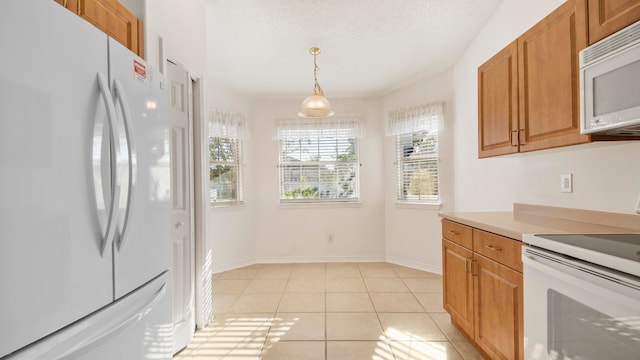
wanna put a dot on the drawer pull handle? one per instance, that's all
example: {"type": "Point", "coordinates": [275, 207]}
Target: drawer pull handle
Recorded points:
{"type": "Point", "coordinates": [493, 248]}
{"type": "Point", "coordinates": [453, 232]}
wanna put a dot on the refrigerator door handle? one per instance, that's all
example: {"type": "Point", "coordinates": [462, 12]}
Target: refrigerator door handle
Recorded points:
{"type": "Point", "coordinates": [126, 116]}
{"type": "Point", "coordinates": [111, 177]}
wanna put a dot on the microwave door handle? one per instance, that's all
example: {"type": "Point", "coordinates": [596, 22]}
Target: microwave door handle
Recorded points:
{"type": "Point", "coordinates": [131, 158]}
{"type": "Point", "coordinates": [111, 176]}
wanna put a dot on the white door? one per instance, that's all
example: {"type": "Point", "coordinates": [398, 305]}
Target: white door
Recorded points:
{"type": "Point", "coordinates": [182, 205]}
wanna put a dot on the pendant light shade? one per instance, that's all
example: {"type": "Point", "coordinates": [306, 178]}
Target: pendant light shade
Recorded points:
{"type": "Point", "coordinates": [316, 105]}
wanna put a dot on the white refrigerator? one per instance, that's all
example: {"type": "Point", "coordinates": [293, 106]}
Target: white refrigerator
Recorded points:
{"type": "Point", "coordinates": [85, 249]}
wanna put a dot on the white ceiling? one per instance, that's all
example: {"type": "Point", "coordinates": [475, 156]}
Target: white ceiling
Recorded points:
{"type": "Point", "coordinates": [369, 47]}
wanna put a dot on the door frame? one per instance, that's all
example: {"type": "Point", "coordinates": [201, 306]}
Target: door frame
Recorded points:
{"type": "Point", "coordinates": [202, 255]}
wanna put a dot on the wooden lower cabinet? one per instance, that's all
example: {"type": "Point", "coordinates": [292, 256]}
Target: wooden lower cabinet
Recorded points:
{"type": "Point", "coordinates": [498, 309]}
{"type": "Point", "coordinates": [482, 290]}
{"type": "Point", "coordinates": [458, 289]}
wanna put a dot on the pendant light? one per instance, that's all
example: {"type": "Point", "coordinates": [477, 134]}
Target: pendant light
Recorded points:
{"type": "Point", "coordinates": [316, 105]}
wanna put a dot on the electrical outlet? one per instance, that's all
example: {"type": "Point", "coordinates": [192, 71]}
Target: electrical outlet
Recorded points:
{"type": "Point", "coordinates": [566, 183]}
{"type": "Point", "coordinates": [330, 238]}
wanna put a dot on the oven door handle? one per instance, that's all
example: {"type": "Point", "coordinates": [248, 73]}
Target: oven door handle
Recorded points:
{"type": "Point", "coordinates": [570, 270]}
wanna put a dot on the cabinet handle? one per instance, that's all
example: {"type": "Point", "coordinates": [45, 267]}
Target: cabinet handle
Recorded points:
{"type": "Point", "coordinates": [521, 136]}
{"type": "Point", "coordinates": [79, 6]}
{"type": "Point", "coordinates": [64, 3]}
{"type": "Point", "coordinates": [468, 264]}
{"type": "Point", "coordinates": [511, 137]}
{"type": "Point", "coordinates": [493, 248]}
{"type": "Point", "coordinates": [474, 269]}
{"type": "Point", "coordinates": [452, 232]}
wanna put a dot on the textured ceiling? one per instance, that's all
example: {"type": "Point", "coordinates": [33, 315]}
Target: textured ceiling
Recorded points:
{"type": "Point", "coordinates": [369, 47]}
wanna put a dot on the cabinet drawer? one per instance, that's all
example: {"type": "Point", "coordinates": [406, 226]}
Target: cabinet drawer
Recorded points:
{"type": "Point", "coordinates": [499, 248]}
{"type": "Point", "coordinates": [458, 233]}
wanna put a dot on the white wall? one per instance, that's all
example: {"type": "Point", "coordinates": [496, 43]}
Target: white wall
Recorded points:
{"type": "Point", "coordinates": [230, 228]}
{"type": "Point", "coordinates": [606, 175]}
{"type": "Point", "coordinates": [413, 234]}
{"type": "Point", "coordinates": [298, 233]}
{"type": "Point", "coordinates": [182, 25]}
{"type": "Point", "coordinates": [136, 7]}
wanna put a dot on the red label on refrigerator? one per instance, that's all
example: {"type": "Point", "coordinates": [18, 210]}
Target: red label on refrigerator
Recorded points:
{"type": "Point", "coordinates": [139, 70]}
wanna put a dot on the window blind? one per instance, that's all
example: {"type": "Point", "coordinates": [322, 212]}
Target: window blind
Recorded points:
{"type": "Point", "coordinates": [416, 131]}
{"type": "Point", "coordinates": [418, 166]}
{"type": "Point", "coordinates": [226, 133]}
{"type": "Point", "coordinates": [319, 163]}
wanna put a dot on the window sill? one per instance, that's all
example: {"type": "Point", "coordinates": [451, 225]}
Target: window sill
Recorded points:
{"type": "Point", "coordinates": [229, 205]}
{"type": "Point", "coordinates": [315, 205]}
{"type": "Point", "coordinates": [416, 205]}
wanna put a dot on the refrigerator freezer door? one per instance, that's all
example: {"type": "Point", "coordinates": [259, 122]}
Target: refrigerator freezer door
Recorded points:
{"type": "Point", "coordinates": [142, 248]}
{"type": "Point", "coordinates": [138, 326]}
{"type": "Point", "coordinates": [51, 269]}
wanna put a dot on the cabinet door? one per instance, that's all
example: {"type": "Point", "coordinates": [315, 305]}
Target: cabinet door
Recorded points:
{"type": "Point", "coordinates": [498, 309]}
{"type": "Point", "coordinates": [498, 104]}
{"type": "Point", "coordinates": [458, 284]}
{"type": "Point", "coordinates": [549, 79]}
{"type": "Point", "coordinates": [111, 17]}
{"type": "Point", "coordinates": [608, 16]}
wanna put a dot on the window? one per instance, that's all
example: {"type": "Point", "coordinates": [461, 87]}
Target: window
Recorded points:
{"type": "Point", "coordinates": [226, 131]}
{"type": "Point", "coordinates": [418, 166]}
{"type": "Point", "coordinates": [224, 170]}
{"type": "Point", "coordinates": [319, 160]}
{"type": "Point", "coordinates": [416, 133]}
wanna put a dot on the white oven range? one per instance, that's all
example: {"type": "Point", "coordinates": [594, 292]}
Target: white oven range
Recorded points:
{"type": "Point", "coordinates": [581, 297]}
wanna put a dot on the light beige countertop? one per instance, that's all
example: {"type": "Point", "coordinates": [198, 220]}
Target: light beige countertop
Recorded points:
{"type": "Point", "coordinates": [538, 219]}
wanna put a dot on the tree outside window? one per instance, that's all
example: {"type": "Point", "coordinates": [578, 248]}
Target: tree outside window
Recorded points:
{"type": "Point", "coordinates": [226, 133]}
{"type": "Point", "coordinates": [418, 166]}
{"type": "Point", "coordinates": [416, 129]}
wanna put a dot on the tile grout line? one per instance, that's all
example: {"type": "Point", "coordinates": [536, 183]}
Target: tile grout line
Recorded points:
{"type": "Point", "coordinates": [387, 341]}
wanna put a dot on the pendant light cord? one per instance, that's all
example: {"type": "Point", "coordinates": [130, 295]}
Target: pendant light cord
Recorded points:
{"type": "Point", "coordinates": [317, 90]}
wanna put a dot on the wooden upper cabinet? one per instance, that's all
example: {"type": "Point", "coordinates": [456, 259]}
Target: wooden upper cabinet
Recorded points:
{"type": "Point", "coordinates": [608, 16]}
{"type": "Point", "coordinates": [529, 93]}
{"type": "Point", "coordinates": [498, 103]}
{"type": "Point", "coordinates": [112, 18]}
{"type": "Point", "coordinates": [549, 81]}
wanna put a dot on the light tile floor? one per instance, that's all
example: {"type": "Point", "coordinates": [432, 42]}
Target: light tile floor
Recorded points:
{"type": "Point", "coordinates": [331, 311]}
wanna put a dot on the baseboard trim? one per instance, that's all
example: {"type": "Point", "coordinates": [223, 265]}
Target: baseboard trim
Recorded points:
{"type": "Point", "coordinates": [232, 266]}
{"type": "Point", "coordinates": [319, 259]}
{"type": "Point", "coordinates": [414, 264]}
{"type": "Point", "coordinates": [328, 259]}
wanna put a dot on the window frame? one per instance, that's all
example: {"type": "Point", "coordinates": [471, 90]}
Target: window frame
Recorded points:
{"type": "Point", "coordinates": [320, 133]}
{"type": "Point", "coordinates": [432, 158]}
{"type": "Point", "coordinates": [237, 164]}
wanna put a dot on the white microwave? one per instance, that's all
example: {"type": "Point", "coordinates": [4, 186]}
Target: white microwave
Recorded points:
{"type": "Point", "coordinates": [610, 84]}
